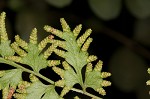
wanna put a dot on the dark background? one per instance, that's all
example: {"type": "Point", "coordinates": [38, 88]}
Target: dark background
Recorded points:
{"type": "Point", "coordinates": [115, 42]}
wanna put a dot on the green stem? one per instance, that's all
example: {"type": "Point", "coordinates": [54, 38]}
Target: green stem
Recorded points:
{"type": "Point", "coordinates": [85, 93]}
{"type": "Point", "coordinates": [81, 80]}
{"type": "Point", "coordinates": [2, 60]}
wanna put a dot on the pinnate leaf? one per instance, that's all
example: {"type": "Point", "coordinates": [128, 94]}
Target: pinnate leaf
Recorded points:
{"type": "Point", "coordinates": [97, 76]}
{"type": "Point", "coordinates": [76, 57]}
{"type": "Point", "coordinates": [40, 91]}
{"type": "Point", "coordinates": [30, 53]}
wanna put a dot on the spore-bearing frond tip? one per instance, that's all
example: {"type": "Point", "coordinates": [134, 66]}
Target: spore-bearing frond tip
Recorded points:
{"type": "Point", "coordinates": [83, 38]}
{"type": "Point", "coordinates": [53, 31]}
{"type": "Point", "coordinates": [86, 44]}
{"type": "Point", "coordinates": [21, 42]}
{"type": "Point", "coordinates": [65, 90]}
{"type": "Point", "coordinates": [64, 25]}
{"type": "Point", "coordinates": [105, 74]}
{"type": "Point", "coordinates": [89, 67]}
{"type": "Point", "coordinates": [105, 83]}
{"type": "Point", "coordinates": [3, 33]}
{"type": "Point", "coordinates": [33, 36]}
{"type": "Point", "coordinates": [18, 50]}
{"type": "Point", "coordinates": [77, 30]}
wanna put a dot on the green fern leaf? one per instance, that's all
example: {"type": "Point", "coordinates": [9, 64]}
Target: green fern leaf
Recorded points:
{"type": "Point", "coordinates": [9, 81]}
{"type": "Point", "coordinates": [97, 76]}
{"type": "Point", "coordinates": [76, 56]}
{"type": "Point", "coordinates": [31, 55]}
{"type": "Point", "coordinates": [41, 91]}
{"type": "Point", "coordinates": [10, 77]}
{"type": "Point", "coordinates": [36, 89]}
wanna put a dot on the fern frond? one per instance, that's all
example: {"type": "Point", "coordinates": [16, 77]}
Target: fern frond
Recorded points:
{"type": "Point", "coordinates": [76, 57]}
{"type": "Point", "coordinates": [72, 48]}
{"type": "Point", "coordinates": [30, 53]}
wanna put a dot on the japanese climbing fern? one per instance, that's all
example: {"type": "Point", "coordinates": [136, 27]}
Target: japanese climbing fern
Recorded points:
{"type": "Point", "coordinates": [72, 48]}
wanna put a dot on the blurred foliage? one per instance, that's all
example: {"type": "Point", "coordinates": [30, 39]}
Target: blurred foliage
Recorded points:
{"type": "Point", "coordinates": [16, 4]}
{"type": "Point", "coordinates": [128, 69]}
{"type": "Point", "coordinates": [142, 31]}
{"type": "Point", "coordinates": [129, 18]}
{"type": "Point", "coordinates": [59, 3]}
{"type": "Point", "coordinates": [106, 9]}
{"type": "Point", "coordinates": [139, 8]}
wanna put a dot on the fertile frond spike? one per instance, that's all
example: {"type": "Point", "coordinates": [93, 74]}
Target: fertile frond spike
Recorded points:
{"type": "Point", "coordinates": [22, 86]}
{"type": "Point", "coordinates": [33, 36]}
{"type": "Point", "coordinates": [59, 71]}
{"type": "Point", "coordinates": [65, 65]}
{"type": "Point", "coordinates": [60, 83]}
{"type": "Point", "coordinates": [49, 51]}
{"type": "Point", "coordinates": [91, 58]}
{"type": "Point", "coordinates": [105, 74]}
{"type": "Point", "coordinates": [65, 91]}
{"type": "Point", "coordinates": [89, 67]}
{"type": "Point", "coordinates": [33, 78]}
{"type": "Point", "coordinates": [21, 42]}
{"type": "Point", "coordinates": [61, 44]}
{"type": "Point", "coordinates": [53, 62]}
{"type": "Point", "coordinates": [14, 58]}
{"type": "Point", "coordinates": [53, 31]}
{"type": "Point", "coordinates": [82, 38]}
{"type": "Point", "coordinates": [43, 43]}
{"type": "Point", "coordinates": [3, 33]}
{"type": "Point", "coordinates": [98, 66]}
{"type": "Point", "coordinates": [86, 44]}
{"type": "Point", "coordinates": [101, 91]}
{"type": "Point", "coordinates": [76, 97]}
{"type": "Point", "coordinates": [77, 30]}
{"type": "Point", "coordinates": [19, 96]}
{"type": "Point", "coordinates": [105, 83]}
{"type": "Point", "coordinates": [5, 92]}
{"type": "Point", "coordinates": [64, 25]}
{"type": "Point", "coordinates": [18, 50]}
{"type": "Point", "coordinates": [148, 82]}
{"type": "Point", "coordinates": [60, 53]}
{"type": "Point", "coordinates": [148, 70]}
